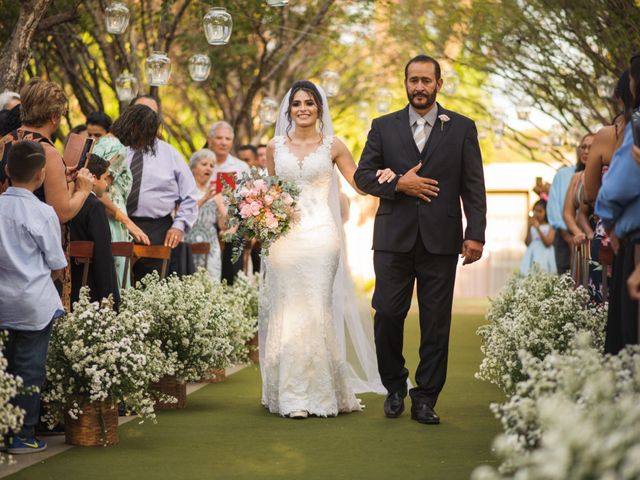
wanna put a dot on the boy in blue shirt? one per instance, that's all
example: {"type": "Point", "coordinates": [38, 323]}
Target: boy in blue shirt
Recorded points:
{"type": "Point", "coordinates": [30, 256]}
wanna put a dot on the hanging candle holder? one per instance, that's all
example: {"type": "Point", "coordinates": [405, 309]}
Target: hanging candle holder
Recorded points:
{"type": "Point", "coordinates": [157, 68]}
{"type": "Point", "coordinates": [330, 83]}
{"type": "Point", "coordinates": [116, 18]}
{"type": "Point", "coordinates": [218, 25]}
{"type": "Point", "coordinates": [383, 100]}
{"type": "Point", "coordinates": [277, 3]}
{"type": "Point", "coordinates": [199, 67]}
{"type": "Point", "coordinates": [126, 87]}
{"type": "Point", "coordinates": [523, 109]}
{"type": "Point", "coordinates": [451, 82]}
{"type": "Point", "coordinates": [268, 111]}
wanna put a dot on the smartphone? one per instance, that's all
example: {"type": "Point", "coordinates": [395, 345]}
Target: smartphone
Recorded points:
{"type": "Point", "coordinates": [635, 127]}
{"type": "Point", "coordinates": [77, 151]}
{"type": "Point", "coordinates": [86, 151]}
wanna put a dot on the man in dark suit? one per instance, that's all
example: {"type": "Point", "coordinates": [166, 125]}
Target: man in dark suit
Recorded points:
{"type": "Point", "coordinates": [418, 230]}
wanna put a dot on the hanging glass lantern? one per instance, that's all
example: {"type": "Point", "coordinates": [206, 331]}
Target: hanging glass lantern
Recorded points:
{"type": "Point", "coordinates": [277, 3]}
{"type": "Point", "coordinates": [126, 87]}
{"type": "Point", "coordinates": [606, 86]}
{"type": "Point", "coordinates": [116, 18]}
{"type": "Point", "coordinates": [218, 24]}
{"type": "Point", "coordinates": [268, 111]}
{"type": "Point", "coordinates": [330, 83]}
{"type": "Point", "coordinates": [383, 100]}
{"type": "Point", "coordinates": [363, 111]}
{"type": "Point", "coordinates": [199, 67]}
{"type": "Point", "coordinates": [557, 135]}
{"type": "Point", "coordinates": [523, 109]}
{"type": "Point", "coordinates": [451, 82]}
{"type": "Point", "coordinates": [157, 68]}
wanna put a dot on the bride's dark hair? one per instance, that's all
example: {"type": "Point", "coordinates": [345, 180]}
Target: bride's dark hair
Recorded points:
{"type": "Point", "coordinates": [311, 89]}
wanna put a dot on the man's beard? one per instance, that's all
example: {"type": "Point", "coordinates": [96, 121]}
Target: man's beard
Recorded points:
{"type": "Point", "coordinates": [431, 99]}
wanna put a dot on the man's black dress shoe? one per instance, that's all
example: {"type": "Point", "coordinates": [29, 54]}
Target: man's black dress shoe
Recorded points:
{"type": "Point", "coordinates": [421, 412]}
{"type": "Point", "coordinates": [394, 405]}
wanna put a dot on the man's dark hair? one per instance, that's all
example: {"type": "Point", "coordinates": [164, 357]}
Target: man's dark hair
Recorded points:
{"type": "Point", "coordinates": [101, 119]}
{"type": "Point", "coordinates": [137, 128]}
{"type": "Point", "coordinates": [97, 165]}
{"type": "Point", "coordinates": [78, 129]}
{"type": "Point", "coordinates": [423, 59]}
{"type": "Point", "coordinates": [248, 147]}
{"type": "Point", "coordinates": [262, 145]}
{"type": "Point", "coordinates": [24, 160]}
{"type": "Point", "coordinates": [149, 96]}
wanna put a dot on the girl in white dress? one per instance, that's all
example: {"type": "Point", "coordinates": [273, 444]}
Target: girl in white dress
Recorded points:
{"type": "Point", "coordinates": [316, 350]}
{"type": "Point", "coordinates": [539, 242]}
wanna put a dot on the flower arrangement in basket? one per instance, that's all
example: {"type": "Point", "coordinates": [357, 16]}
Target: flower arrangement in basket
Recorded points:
{"type": "Point", "coordinates": [97, 358]}
{"type": "Point", "coordinates": [261, 208]}
{"type": "Point", "coordinates": [240, 305]}
{"type": "Point", "coordinates": [540, 313]}
{"type": "Point", "coordinates": [191, 330]}
{"type": "Point", "coordinates": [11, 416]}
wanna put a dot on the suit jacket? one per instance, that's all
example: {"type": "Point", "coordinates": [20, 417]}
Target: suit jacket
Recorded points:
{"type": "Point", "coordinates": [452, 157]}
{"type": "Point", "coordinates": [91, 224]}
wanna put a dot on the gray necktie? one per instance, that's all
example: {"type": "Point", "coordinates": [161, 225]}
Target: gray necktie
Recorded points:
{"type": "Point", "coordinates": [420, 136]}
{"type": "Point", "coordinates": [136, 172]}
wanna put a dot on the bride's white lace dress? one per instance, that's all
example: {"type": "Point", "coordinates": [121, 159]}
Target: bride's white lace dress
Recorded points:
{"type": "Point", "coordinates": [302, 364]}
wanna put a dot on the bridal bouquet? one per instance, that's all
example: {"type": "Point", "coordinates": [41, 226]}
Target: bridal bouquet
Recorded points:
{"type": "Point", "coordinates": [260, 208]}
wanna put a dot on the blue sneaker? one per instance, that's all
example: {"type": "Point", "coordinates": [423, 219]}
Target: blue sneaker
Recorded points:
{"type": "Point", "coordinates": [20, 445]}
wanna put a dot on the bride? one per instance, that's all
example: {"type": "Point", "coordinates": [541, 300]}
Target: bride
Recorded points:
{"type": "Point", "coordinates": [316, 349]}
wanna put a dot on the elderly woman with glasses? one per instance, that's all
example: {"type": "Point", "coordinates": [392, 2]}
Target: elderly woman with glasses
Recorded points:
{"type": "Point", "coordinates": [212, 211]}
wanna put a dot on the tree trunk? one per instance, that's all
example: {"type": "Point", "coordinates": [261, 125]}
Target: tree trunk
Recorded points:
{"type": "Point", "coordinates": [15, 55]}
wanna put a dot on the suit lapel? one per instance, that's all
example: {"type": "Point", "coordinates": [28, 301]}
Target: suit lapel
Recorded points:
{"type": "Point", "coordinates": [406, 136]}
{"type": "Point", "coordinates": [438, 132]}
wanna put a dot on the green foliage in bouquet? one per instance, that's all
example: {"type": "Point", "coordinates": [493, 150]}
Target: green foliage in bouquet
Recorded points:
{"type": "Point", "coordinates": [11, 417]}
{"type": "Point", "coordinates": [96, 354]}
{"type": "Point", "coordinates": [191, 329]}
{"type": "Point", "coordinates": [576, 417]}
{"type": "Point", "coordinates": [239, 306]}
{"type": "Point", "coordinates": [540, 313]}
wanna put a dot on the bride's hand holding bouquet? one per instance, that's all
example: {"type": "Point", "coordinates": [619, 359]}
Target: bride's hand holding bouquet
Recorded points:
{"type": "Point", "coordinates": [261, 208]}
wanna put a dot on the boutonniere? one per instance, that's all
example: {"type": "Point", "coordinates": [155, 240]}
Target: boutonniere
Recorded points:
{"type": "Point", "coordinates": [443, 119]}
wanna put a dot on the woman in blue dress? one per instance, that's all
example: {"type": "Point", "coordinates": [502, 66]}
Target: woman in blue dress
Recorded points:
{"type": "Point", "coordinates": [539, 241]}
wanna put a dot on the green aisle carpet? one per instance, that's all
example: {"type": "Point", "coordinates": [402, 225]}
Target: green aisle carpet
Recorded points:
{"type": "Point", "coordinates": [224, 433]}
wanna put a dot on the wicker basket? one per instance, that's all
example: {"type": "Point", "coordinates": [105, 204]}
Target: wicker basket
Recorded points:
{"type": "Point", "coordinates": [96, 426]}
{"type": "Point", "coordinates": [217, 375]}
{"type": "Point", "coordinates": [254, 352]}
{"type": "Point", "coordinates": [169, 385]}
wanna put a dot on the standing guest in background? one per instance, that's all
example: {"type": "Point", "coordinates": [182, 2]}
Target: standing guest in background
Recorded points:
{"type": "Point", "coordinates": [618, 206]}
{"type": "Point", "coordinates": [161, 183]}
{"type": "Point", "coordinates": [577, 223]}
{"type": "Point", "coordinates": [220, 141]}
{"type": "Point", "coordinates": [555, 207]}
{"type": "Point", "coordinates": [211, 210]}
{"type": "Point", "coordinates": [115, 200]}
{"type": "Point", "coordinates": [80, 130]}
{"type": "Point", "coordinates": [91, 224]}
{"type": "Point", "coordinates": [248, 154]}
{"type": "Point", "coordinates": [9, 112]}
{"type": "Point", "coordinates": [98, 124]}
{"type": "Point", "coordinates": [262, 158]}
{"type": "Point", "coordinates": [539, 242]}
{"type": "Point", "coordinates": [30, 255]}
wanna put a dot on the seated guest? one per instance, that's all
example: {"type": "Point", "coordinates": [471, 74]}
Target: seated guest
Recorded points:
{"type": "Point", "coordinates": [30, 255]}
{"type": "Point", "coordinates": [211, 210]}
{"type": "Point", "coordinates": [161, 184]}
{"type": "Point", "coordinates": [220, 141]}
{"type": "Point", "coordinates": [91, 224]}
{"type": "Point", "coordinates": [98, 124]}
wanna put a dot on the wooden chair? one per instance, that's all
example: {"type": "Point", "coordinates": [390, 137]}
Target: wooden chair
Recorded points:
{"type": "Point", "coordinates": [156, 252]}
{"type": "Point", "coordinates": [201, 248]}
{"type": "Point", "coordinates": [82, 252]}
{"type": "Point", "coordinates": [123, 249]}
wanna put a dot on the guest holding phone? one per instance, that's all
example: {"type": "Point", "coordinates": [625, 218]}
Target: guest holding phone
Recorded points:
{"type": "Point", "coordinates": [539, 240]}
{"type": "Point", "coordinates": [220, 141]}
{"type": "Point", "coordinates": [211, 210]}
